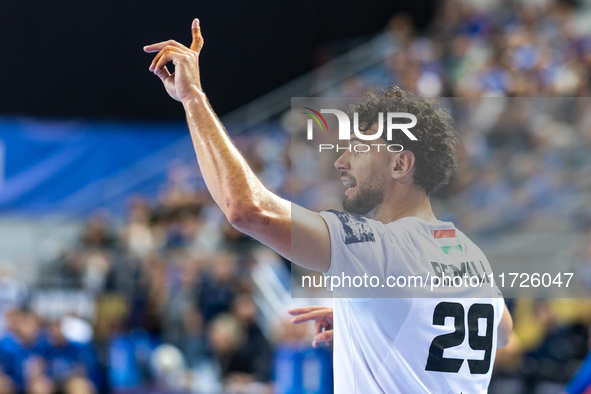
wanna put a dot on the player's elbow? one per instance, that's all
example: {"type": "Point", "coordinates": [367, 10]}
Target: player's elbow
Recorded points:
{"type": "Point", "coordinates": [244, 216]}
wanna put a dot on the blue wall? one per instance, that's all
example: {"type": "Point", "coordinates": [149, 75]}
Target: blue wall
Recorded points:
{"type": "Point", "coordinates": [74, 166]}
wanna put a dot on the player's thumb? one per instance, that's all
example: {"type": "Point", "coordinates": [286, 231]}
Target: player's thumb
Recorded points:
{"type": "Point", "coordinates": [197, 43]}
{"type": "Point", "coordinates": [322, 337]}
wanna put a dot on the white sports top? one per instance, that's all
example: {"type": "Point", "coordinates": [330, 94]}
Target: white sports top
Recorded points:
{"type": "Point", "coordinates": [440, 340]}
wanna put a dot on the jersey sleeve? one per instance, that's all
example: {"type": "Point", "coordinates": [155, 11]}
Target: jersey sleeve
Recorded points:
{"type": "Point", "coordinates": [356, 245]}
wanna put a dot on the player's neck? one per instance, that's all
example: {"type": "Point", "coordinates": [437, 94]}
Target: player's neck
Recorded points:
{"type": "Point", "coordinates": [402, 202]}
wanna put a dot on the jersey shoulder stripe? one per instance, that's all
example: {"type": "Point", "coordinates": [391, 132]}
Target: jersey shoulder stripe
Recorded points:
{"type": "Point", "coordinates": [356, 228]}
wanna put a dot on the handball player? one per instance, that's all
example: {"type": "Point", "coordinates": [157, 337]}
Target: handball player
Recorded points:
{"type": "Point", "coordinates": [442, 343]}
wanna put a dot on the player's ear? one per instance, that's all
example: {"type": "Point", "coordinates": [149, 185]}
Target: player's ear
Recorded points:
{"type": "Point", "coordinates": [403, 165]}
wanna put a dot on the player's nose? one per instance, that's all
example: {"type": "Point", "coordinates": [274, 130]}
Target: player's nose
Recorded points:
{"type": "Point", "coordinates": [342, 163]}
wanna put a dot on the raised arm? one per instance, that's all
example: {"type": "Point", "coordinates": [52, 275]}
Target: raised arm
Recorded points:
{"type": "Point", "coordinates": [247, 203]}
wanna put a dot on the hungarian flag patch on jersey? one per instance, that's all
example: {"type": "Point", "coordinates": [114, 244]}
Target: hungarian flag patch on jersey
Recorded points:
{"type": "Point", "coordinates": [447, 241]}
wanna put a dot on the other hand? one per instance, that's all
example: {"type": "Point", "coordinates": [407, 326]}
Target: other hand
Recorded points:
{"type": "Point", "coordinates": [323, 322]}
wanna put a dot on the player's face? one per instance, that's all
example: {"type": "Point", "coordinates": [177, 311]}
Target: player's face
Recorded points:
{"type": "Point", "coordinates": [366, 175]}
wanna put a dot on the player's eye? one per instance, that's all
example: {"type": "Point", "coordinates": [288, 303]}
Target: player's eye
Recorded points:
{"type": "Point", "coordinates": [360, 150]}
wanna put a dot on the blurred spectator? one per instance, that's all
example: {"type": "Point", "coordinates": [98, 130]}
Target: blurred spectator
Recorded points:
{"type": "Point", "coordinates": [13, 293]}
{"type": "Point", "coordinates": [219, 286]}
{"type": "Point", "coordinates": [240, 362]}
{"type": "Point", "coordinates": [256, 350]}
{"type": "Point", "coordinates": [23, 350]}
{"type": "Point", "coordinates": [552, 362]}
{"type": "Point", "coordinates": [66, 361]}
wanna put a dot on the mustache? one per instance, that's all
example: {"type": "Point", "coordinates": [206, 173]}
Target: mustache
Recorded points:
{"type": "Point", "coordinates": [345, 174]}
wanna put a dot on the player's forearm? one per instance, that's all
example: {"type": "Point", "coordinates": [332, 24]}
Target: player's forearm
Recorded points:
{"type": "Point", "coordinates": [231, 182]}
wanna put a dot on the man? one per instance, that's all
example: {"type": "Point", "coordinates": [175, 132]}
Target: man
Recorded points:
{"type": "Point", "coordinates": [389, 345]}
{"type": "Point", "coordinates": [23, 353]}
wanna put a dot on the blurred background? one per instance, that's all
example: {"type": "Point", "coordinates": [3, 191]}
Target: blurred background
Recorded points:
{"type": "Point", "coordinates": [118, 274]}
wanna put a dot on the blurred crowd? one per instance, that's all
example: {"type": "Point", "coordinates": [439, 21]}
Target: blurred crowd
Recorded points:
{"type": "Point", "coordinates": [169, 303]}
{"type": "Point", "coordinates": [487, 48]}
{"type": "Point", "coordinates": [174, 304]}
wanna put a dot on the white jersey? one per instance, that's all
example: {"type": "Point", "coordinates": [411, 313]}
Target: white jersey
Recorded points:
{"type": "Point", "coordinates": [440, 340]}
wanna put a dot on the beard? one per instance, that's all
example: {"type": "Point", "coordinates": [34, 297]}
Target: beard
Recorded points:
{"type": "Point", "coordinates": [368, 196]}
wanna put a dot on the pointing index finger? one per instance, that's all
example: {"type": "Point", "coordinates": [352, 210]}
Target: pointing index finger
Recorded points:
{"type": "Point", "coordinates": [304, 309]}
{"type": "Point", "coordinates": [158, 46]}
{"type": "Point", "coordinates": [321, 314]}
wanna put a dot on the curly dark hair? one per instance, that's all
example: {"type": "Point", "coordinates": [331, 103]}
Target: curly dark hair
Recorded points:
{"type": "Point", "coordinates": [436, 149]}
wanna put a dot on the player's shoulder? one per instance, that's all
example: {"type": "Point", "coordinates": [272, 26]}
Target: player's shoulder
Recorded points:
{"type": "Point", "coordinates": [355, 228]}
{"type": "Point", "coordinates": [360, 229]}
{"type": "Point", "coordinates": [414, 226]}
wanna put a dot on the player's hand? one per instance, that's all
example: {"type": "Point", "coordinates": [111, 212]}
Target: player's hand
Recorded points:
{"type": "Point", "coordinates": [185, 82]}
{"type": "Point", "coordinates": [322, 316]}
